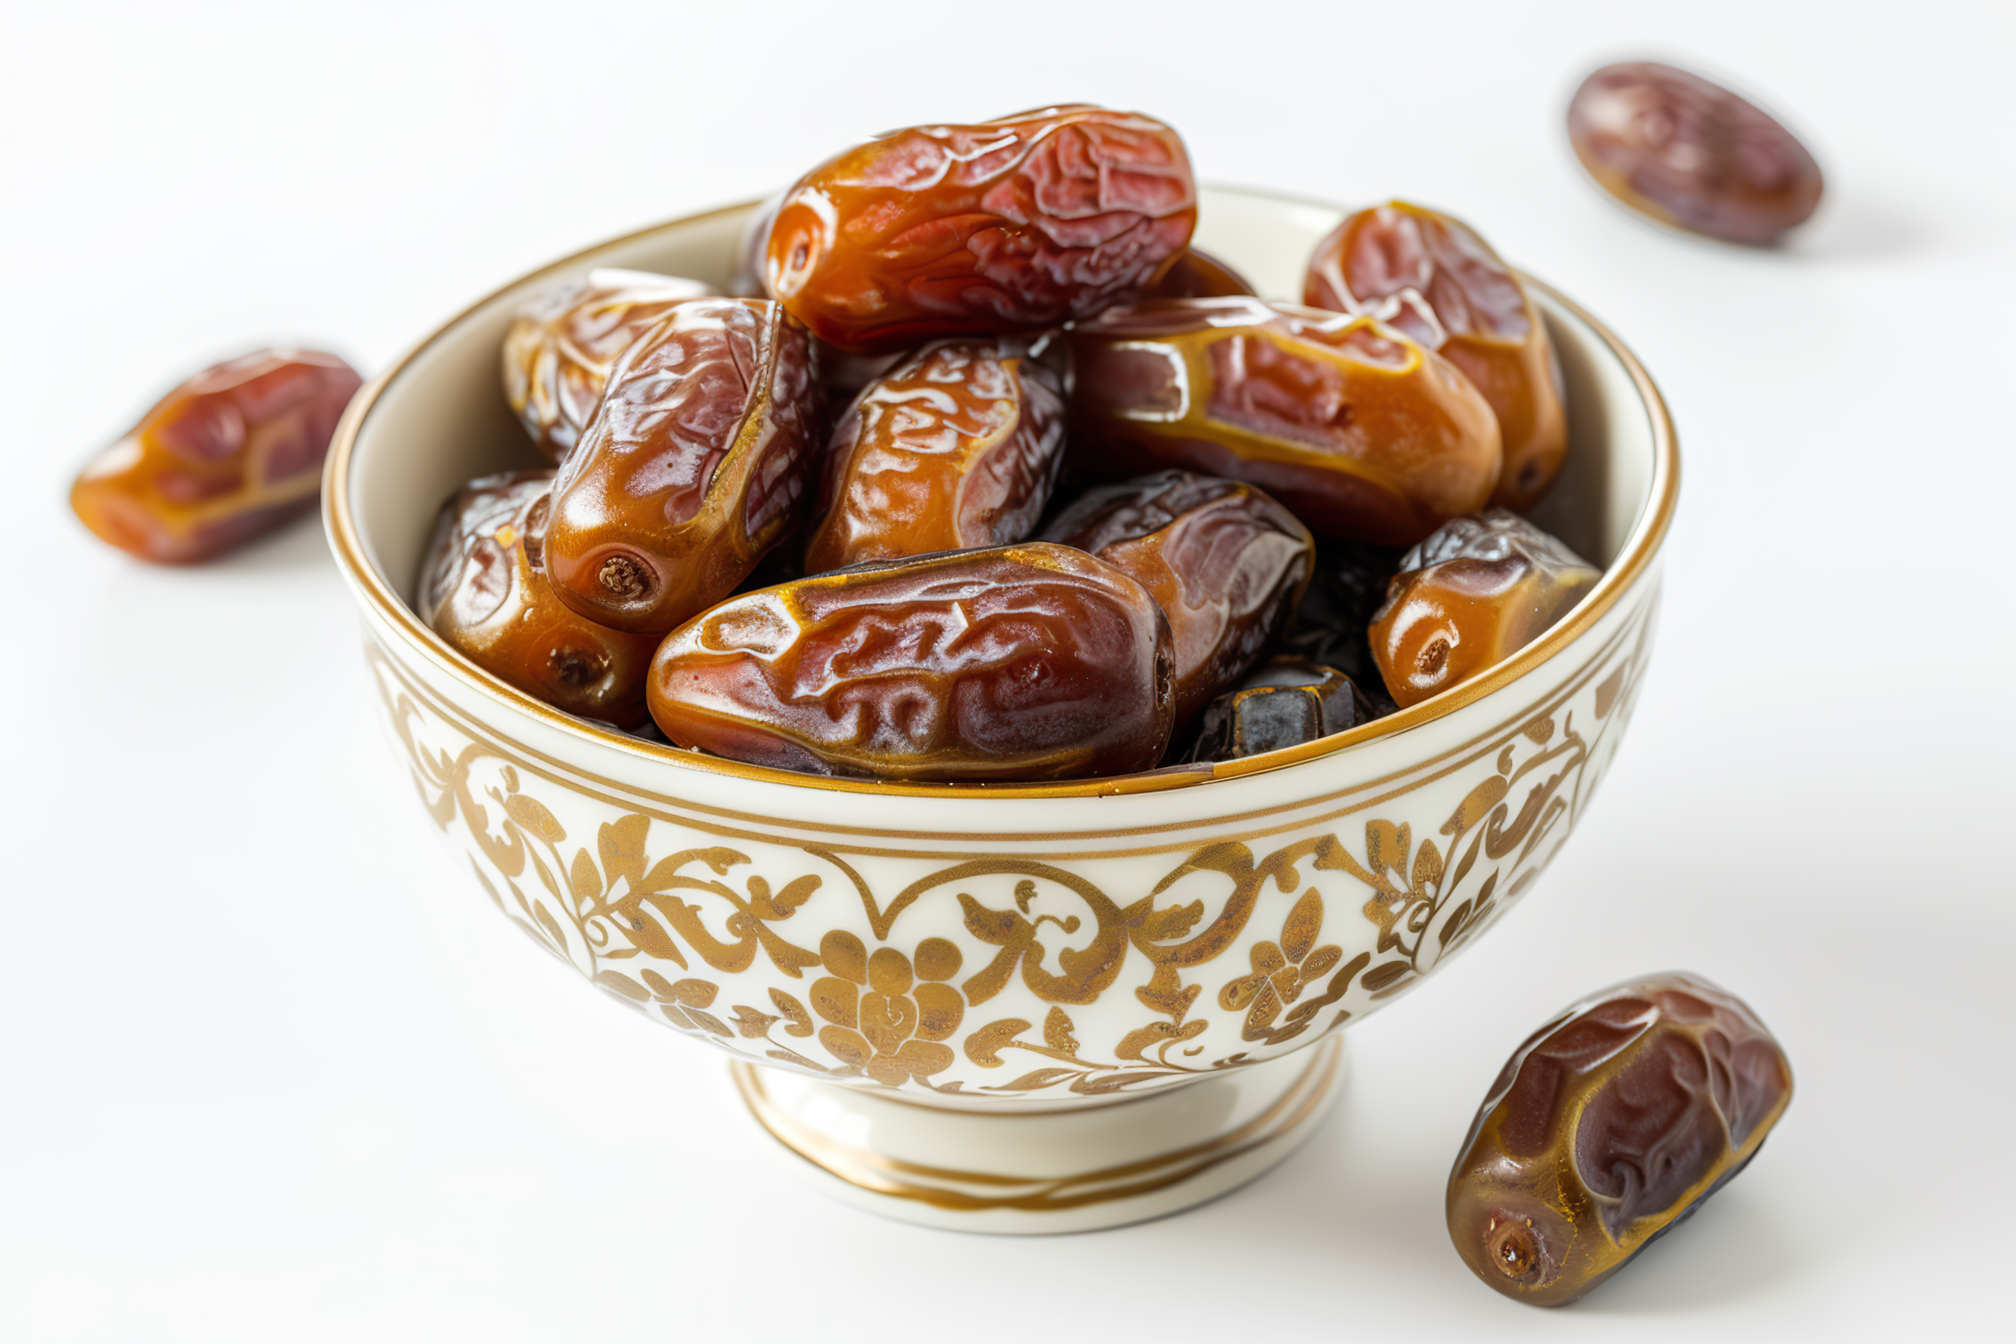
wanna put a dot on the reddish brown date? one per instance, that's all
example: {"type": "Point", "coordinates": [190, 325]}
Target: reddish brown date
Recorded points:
{"type": "Point", "coordinates": [561, 347]}
{"type": "Point", "coordinates": [1470, 596]}
{"type": "Point", "coordinates": [1285, 703]}
{"type": "Point", "coordinates": [1023, 662]}
{"type": "Point", "coordinates": [955, 448]}
{"type": "Point", "coordinates": [231, 454]}
{"type": "Point", "coordinates": [1011, 226]}
{"type": "Point", "coordinates": [1607, 1127]}
{"type": "Point", "coordinates": [1223, 559]}
{"type": "Point", "coordinates": [695, 465]}
{"type": "Point", "coordinates": [1689, 153]}
{"type": "Point", "coordinates": [1199, 275]}
{"type": "Point", "coordinates": [483, 590]}
{"type": "Point", "coordinates": [1429, 275]}
{"type": "Point", "coordinates": [1356, 428]}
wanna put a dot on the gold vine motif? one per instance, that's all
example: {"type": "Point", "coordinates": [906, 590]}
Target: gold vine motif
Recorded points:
{"type": "Point", "coordinates": [892, 1016]}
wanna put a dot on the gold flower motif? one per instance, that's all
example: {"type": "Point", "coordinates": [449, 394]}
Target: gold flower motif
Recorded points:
{"type": "Point", "coordinates": [1281, 971]}
{"type": "Point", "coordinates": [886, 1017]}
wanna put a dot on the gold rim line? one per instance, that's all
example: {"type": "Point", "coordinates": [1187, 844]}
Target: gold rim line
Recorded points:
{"type": "Point", "coordinates": [1643, 543]}
{"type": "Point", "coordinates": [891, 1177]}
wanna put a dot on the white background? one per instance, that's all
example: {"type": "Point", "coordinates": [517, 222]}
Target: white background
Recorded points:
{"type": "Point", "coordinates": [271, 1069]}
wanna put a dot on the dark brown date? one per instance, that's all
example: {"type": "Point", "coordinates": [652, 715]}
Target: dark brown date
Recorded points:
{"type": "Point", "coordinates": [955, 448]}
{"type": "Point", "coordinates": [561, 347]}
{"type": "Point", "coordinates": [1223, 559]}
{"type": "Point", "coordinates": [1023, 662]}
{"type": "Point", "coordinates": [1012, 226]}
{"type": "Point", "coordinates": [695, 465]}
{"type": "Point", "coordinates": [1607, 1127]}
{"type": "Point", "coordinates": [483, 590]}
{"type": "Point", "coordinates": [1429, 275]}
{"type": "Point", "coordinates": [1330, 623]}
{"type": "Point", "coordinates": [231, 454]}
{"type": "Point", "coordinates": [1284, 703]}
{"type": "Point", "coordinates": [1199, 275]}
{"type": "Point", "coordinates": [1470, 596]}
{"type": "Point", "coordinates": [1689, 153]}
{"type": "Point", "coordinates": [1358, 429]}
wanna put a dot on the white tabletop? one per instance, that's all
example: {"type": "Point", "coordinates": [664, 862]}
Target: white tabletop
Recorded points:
{"type": "Point", "coordinates": [270, 1068]}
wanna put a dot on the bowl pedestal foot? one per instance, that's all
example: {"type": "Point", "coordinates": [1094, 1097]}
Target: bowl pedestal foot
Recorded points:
{"type": "Point", "coordinates": [1053, 1171]}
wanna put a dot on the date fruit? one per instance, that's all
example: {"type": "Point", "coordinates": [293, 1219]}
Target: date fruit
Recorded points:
{"type": "Point", "coordinates": [1607, 1127]}
{"type": "Point", "coordinates": [1284, 703]}
{"type": "Point", "coordinates": [229, 455]}
{"type": "Point", "coordinates": [1022, 662]}
{"type": "Point", "coordinates": [1358, 429]}
{"type": "Point", "coordinates": [1009, 226]}
{"type": "Point", "coordinates": [1470, 596]}
{"type": "Point", "coordinates": [561, 347]}
{"type": "Point", "coordinates": [1689, 153]}
{"type": "Point", "coordinates": [1199, 275]}
{"type": "Point", "coordinates": [1330, 623]}
{"type": "Point", "coordinates": [695, 465]}
{"type": "Point", "coordinates": [956, 448]}
{"type": "Point", "coordinates": [1223, 559]}
{"type": "Point", "coordinates": [483, 590]}
{"type": "Point", "coordinates": [1430, 276]}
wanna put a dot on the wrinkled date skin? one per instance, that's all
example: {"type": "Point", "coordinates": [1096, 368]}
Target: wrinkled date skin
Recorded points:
{"type": "Point", "coordinates": [696, 465]}
{"type": "Point", "coordinates": [561, 347]}
{"type": "Point", "coordinates": [482, 589]}
{"type": "Point", "coordinates": [1330, 623]}
{"type": "Point", "coordinates": [1359, 430]}
{"type": "Point", "coordinates": [1223, 559]}
{"type": "Point", "coordinates": [230, 455]}
{"type": "Point", "coordinates": [1199, 275]}
{"type": "Point", "coordinates": [1285, 703]}
{"type": "Point", "coordinates": [1022, 662]}
{"type": "Point", "coordinates": [1608, 1126]}
{"type": "Point", "coordinates": [1012, 226]}
{"type": "Point", "coordinates": [956, 448]}
{"type": "Point", "coordinates": [1469, 597]}
{"type": "Point", "coordinates": [1689, 153]}
{"type": "Point", "coordinates": [1430, 276]}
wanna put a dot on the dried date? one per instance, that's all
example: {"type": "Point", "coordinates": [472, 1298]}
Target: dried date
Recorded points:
{"type": "Point", "coordinates": [230, 455]}
{"type": "Point", "coordinates": [1225, 561]}
{"type": "Point", "coordinates": [1022, 662]}
{"type": "Point", "coordinates": [1199, 275]}
{"type": "Point", "coordinates": [1358, 429]}
{"type": "Point", "coordinates": [696, 464]}
{"type": "Point", "coordinates": [1607, 1127]}
{"type": "Point", "coordinates": [956, 448]}
{"type": "Point", "coordinates": [1330, 623]}
{"type": "Point", "coordinates": [1011, 226]}
{"type": "Point", "coordinates": [1284, 703]}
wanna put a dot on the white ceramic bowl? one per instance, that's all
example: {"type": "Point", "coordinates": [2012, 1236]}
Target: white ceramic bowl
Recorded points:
{"type": "Point", "coordinates": [1037, 948]}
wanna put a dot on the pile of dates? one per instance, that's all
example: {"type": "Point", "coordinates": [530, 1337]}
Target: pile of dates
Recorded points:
{"type": "Point", "coordinates": [987, 475]}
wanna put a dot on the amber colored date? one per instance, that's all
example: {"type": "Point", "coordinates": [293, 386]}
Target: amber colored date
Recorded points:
{"type": "Point", "coordinates": [695, 465]}
{"type": "Point", "coordinates": [1359, 430]}
{"type": "Point", "coordinates": [1607, 1127]}
{"type": "Point", "coordinates": [561, 347]}
{"type": "Point", "coordinates": [1470, 596]}
{"type": "Point", "coordinates": [1689, 153]}
{"type": "Point", "coordinates": [956, 448]}
{"type": "Point", "coordinates": [230, 455]}
{"type": "Point", "coordinates": [1223, 559]}
{"type": "Point", "coordinates": [1430, 276]}
{"type": "Point", "coordinates": [1011, 226]}
{"type": "Point", "coordinates": [1022, 662]}
{"type": "Point", "coordinates": [483, 589]}
{"type": "Point", "coordinates": [1199, 275]}
{"type": "Point", "coordinates": [1284, 703]}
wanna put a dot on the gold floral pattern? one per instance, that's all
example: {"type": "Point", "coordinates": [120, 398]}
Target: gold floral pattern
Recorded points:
{"type": "Point", "coordinates": [888, 1017]}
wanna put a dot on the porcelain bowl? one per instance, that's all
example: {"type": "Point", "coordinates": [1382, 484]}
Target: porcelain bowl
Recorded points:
{"type": "Point", "coordinates": [1032, 948]}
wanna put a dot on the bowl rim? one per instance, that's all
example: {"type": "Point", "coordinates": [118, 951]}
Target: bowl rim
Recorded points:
{"type": "Point", "coordinates": [1646, 536]}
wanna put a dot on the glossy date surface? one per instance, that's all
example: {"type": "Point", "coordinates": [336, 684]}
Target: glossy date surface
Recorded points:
{"type": "Point", "coordinates": [1008, 226]}
{"type": "Point", "coordinates": [1197, 274]}
{"type": "Point", "coordinates": [1224, 560]}
{"type": "Point", "coordinates": [1609, 1125]}
{"type": "Point", "coordinates": [1359, 430]}
{"type": "Point", "coordinates": [482, 588]}
{"type": "Point", "coordinates": [1690, 153]}
{"type": "Point", "coordinates": [696, 464]}
{"type": "Point", "coordinates": [1430, 276]}
{"type": "Point", "coordinates": [562, 345]}
{"type": "Point", "coordinates": [1018, 663]}
{"type": "Point", "coordinates": [1284, 703]}
{"type": "Point", "coordinates": [956, 448]}
{"type": "Point", "coordinates": [1469, 597]}
{"type": "Point", "coordinates": [229, 455]}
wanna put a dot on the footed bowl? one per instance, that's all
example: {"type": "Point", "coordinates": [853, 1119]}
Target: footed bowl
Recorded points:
{"type": "Point", "coordinates": [953, 987]}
